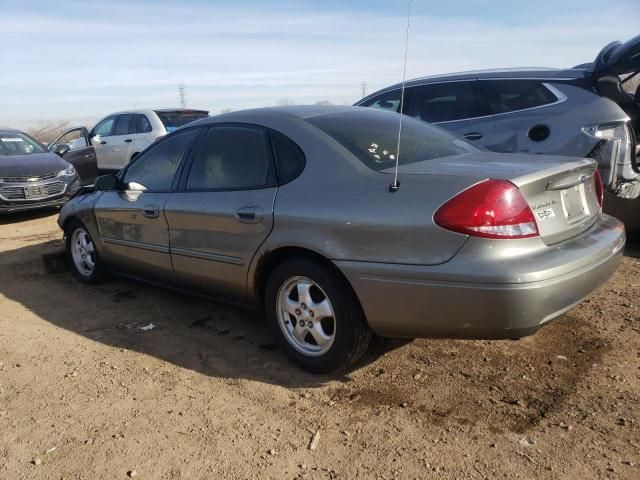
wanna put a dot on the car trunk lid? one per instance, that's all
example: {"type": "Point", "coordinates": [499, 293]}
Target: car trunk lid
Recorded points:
{"type": "Point", "coordinates": [561, 191]}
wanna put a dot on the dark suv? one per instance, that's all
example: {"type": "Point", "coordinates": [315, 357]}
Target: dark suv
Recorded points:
{"type": "Point", "coordinates": [591, 110]}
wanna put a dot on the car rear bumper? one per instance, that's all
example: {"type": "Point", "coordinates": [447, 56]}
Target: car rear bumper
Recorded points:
{"type": "Point", "coordinates": [475, 295]}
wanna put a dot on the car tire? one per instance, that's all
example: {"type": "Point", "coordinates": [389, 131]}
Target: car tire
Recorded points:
{"type": "Point", "coordinates": [315, 316]}
{"type": "Point", "coordinates": [82, 255]}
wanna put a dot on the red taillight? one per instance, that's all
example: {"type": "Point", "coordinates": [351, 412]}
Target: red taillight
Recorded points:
{"type": "Point", "coordinates": [490, 209]}
{"type": "Point", "coordinates": [599, 188]}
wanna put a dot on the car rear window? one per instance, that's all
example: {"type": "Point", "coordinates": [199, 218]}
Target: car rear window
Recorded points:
{"type": "Point", "coordinates": [174, 120]}
{"type": "Point", "coordinates": [372, 135]}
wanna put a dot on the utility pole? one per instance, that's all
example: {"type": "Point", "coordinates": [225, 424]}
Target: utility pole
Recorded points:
{"type": "Point", "coordinates": [364, 89]}
{"type": "Point", "coordinates": [181, 94]}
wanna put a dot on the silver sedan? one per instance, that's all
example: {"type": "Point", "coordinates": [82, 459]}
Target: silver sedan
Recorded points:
{"type": "Point", "coordinates": [295, 210]}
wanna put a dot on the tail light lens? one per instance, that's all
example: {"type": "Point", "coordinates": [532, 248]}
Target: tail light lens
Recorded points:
{"type": "Point", "coordinates": [490, 209]}
{"type": "Point", "coordinates": [599, 188]}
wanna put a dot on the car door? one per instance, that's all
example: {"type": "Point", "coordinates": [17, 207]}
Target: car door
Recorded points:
{"type": "Point", "coordinates": [520, 123]}
{"type": "Point", "coordinates": [456, 106]}
{"type": "Point", "coordinates": [81, 153]}
{"type": "Point", "coordinates": [100, 136]}
{"type": "Point", "coordinates": [223, 210]}
{"type": "Point", "coordinates": [121, 143]}
{"type": "Point", "coordinates": [131, 221]}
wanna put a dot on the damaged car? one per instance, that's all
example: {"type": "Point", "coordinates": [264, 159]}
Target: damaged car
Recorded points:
{"type": "Point", "coordinates": [309, 213]}
{"type": "Point", "coordinates": [591, 110]}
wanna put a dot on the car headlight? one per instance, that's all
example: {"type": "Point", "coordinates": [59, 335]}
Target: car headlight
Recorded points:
{"type": "Point", "coordinates": [68, 172]}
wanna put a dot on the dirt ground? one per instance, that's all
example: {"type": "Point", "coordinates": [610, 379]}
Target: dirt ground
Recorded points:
{"type": "Point", "coordinates": [85, 393]}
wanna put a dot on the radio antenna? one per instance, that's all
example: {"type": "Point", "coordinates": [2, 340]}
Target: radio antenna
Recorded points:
{"type": "Point", "coordinates": [395, 185]}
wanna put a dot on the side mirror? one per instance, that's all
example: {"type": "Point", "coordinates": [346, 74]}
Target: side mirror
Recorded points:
{"type": "Point", "coordinates": [107, 182]}
{"type": "Point", "coordinates": [61, 149]}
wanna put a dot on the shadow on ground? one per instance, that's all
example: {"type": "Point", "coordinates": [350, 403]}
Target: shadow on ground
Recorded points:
{"type": "Point", "coordinates": [192, 332]}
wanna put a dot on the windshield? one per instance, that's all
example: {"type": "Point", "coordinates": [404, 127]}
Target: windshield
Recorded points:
{"type": "Point", "coordinates": [174, 120]}
{"type": "Point", "coordinates": [372, 136]}
{"type": "Point", "coordinates": [18, 144]}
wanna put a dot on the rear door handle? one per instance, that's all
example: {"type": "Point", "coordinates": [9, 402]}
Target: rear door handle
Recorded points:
{"type": "Point", "coordinates": [473, 136]}
{"type": "Point", "coordinates": [128, 140]}
{"type": "Point", "coordinates": [103, 142]}
{"type": "Point", "coordinates": [249, 214]}
{"type": "Point", "coordinates": [151, 211]}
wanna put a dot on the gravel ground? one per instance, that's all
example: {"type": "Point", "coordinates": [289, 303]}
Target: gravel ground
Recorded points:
{"type": "Point", "coordinates": [85, 393]}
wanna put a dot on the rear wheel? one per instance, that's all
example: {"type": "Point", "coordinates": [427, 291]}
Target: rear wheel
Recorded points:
{"type": "Point", "coordinates": [315, 316]}
{"type": "Point", "coordinates": [82, 255]}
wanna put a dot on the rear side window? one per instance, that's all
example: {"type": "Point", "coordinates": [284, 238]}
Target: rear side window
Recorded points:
{"type": "Point", "coordinates": [513, 95]}
{"type": "Point", "coordinates": [142, 124]}
{"type": "Point", "coordinates": [231, 158]}
{"type": "Point", "coordinates": [173, 120]}
{"type": "Point", "coordinates": [444, 102]}
{"type": "Point", "coordinates": [386, 101]}
{"type": "Point", "coordinates": [124, 125]}
{"type": "Point", "coordinates": [290, 159]}
{"type": "Point", "coordinates": [372, 136]}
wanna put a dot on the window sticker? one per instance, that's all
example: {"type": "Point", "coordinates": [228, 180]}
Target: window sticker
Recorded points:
{"type": "Point", "coordinates": [11, 139]}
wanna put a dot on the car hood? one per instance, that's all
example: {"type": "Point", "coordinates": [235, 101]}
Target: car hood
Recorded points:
{"type": "Point", "coordinates": [482, 165]}
{"type": "Point", "coordinates": [30, 165]}
{"type": "Point", "coordinates": [618, 58]}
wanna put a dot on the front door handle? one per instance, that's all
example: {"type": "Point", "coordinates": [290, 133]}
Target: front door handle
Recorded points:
{"type": "Point", "coordinates": [249, 214]}
{"type": "Point", "coordinates": [473, 136]}
{"type": "Point", "coordinates": [103, 142]}
{"type": "Point", "coordinates": [128, 140]}
{"type": "Point", "coordinates": [151, 211]}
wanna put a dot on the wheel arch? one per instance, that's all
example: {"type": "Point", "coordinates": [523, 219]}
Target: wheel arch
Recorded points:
{"type": "Point", "coordinates": [272, 258]}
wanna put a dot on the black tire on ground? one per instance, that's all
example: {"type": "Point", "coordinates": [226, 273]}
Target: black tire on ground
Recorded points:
{"type": "Point", "coordinates": [99, 273]}
{"type": "Point", "coordinates": [352, 333]}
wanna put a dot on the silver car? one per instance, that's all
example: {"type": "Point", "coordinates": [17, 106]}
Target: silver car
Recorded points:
{"type": "Point", "coordinates": [291, 209]}
{"type": "Point", "coordinates": [591, 110]}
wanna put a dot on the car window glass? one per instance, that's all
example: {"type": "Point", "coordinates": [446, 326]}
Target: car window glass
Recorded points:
{"type": "Point", "coordinates": [142, 124]}
{"type": "Point", "coordinates": [386, 101]}
{"type": "Point", "coordinates": [290, 159]}
{"type": "Point", "coordinates": [444, 102]}
{"type": "Point", "coordinates": [105, 127]}
{"type": "Point", "coordinates": [75, 139]}
{"type": "Point", "coordinates": [372, 137]}
{"type": "Point", "coordinates": [14, 143]}
{"type": "Point", "coordinates": [230, 158]}
{"type": "Point", "coordinates": [123, 125]}
{"type": "Point", "coordinates": [512, 95]}
{"type": "Point", "coordinates": [155, 168]}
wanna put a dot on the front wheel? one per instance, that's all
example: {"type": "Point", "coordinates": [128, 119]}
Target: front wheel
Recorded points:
{"type": "Point", "coordinates": [82, 255]}
{"type": "Point", "coordinates": [315, 316]}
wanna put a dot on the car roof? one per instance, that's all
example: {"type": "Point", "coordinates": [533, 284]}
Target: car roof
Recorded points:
{"type": "Point", "coordinates": [534, 73]}
{"type": "Point", "coordinates": [9, 131]}
{"type": "Point", "coordinates": [147, 111]}
{"type": "Point", "coordinates": [296, 111]}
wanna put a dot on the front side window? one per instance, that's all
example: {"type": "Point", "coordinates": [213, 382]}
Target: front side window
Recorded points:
{"type": "Point", "coordinates": [372, 136]}
{"type": "Point", "coordinates": [154, 169]}
{"type": "Point", "coordinates": [18, 144]}
{"type": "Point", "coordinates": [231, 158]}
{"type": "Point", "coordinates": [105, 127]}
{"type": "Point", "coordinates": [512, 95]}
{"type": "Point", "coordinates": [125, 125]}
{"type": "Point", "coordinates": [386, 101]}
{"type": "Point", "coordinates": [75, 139]}
{"type": "Point", "coordinates": [444, 102]}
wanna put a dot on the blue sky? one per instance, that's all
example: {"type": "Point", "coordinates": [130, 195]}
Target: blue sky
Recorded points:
{"type": "Point", "coordinates": [79, 60]}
